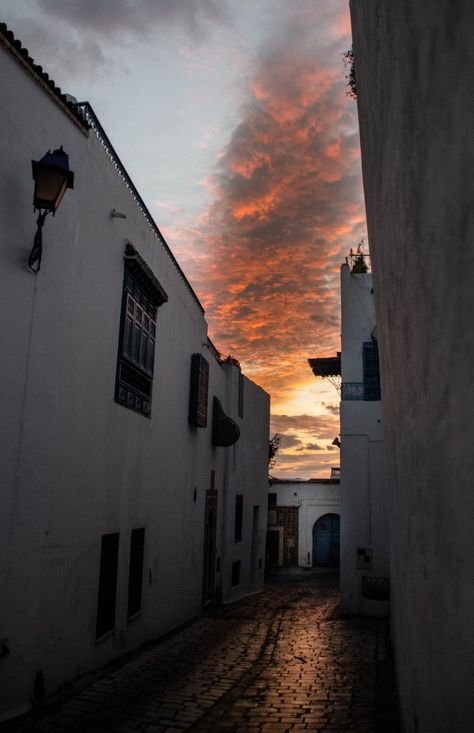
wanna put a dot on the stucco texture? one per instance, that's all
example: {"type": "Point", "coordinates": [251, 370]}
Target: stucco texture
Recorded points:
{"type": "Point", "coordinates": [413, 64]}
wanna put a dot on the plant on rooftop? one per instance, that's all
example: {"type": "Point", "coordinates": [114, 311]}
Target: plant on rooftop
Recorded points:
{"type": "Point", "coordinates": [357, 260]}
{"type": "Point", "coordinates": [348, 58]}
{"type": "Point", "coordinates": [229, 360]}
{"type": "Point", "coordinates": [273, 448]}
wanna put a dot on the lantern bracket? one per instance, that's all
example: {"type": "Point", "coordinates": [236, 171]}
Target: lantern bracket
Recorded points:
{"type": "Point", "coordinates": [52, 178]}
{"type": "Point", "coordinates": [34, 260]}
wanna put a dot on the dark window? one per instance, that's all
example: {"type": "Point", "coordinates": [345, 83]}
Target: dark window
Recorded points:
{"type": "Point", "coordinates": [107, 584]}
{"type": "Point", "coordinates": [142, 294]}
{"type": "Point", "coordinates": [272, 500]}
{"type": "Point", "coordinates": [135, 573]}
{"type": "Point", "coordinates": [198, 391]}
{"type": "Point", "coordinates": [241, 395]}
{"type": "Point", "coordinates": [239, 501]}
{"type": "Point", "coordinates": [370, 355]}
{"type": "Point", "coordinates": [236, 573]}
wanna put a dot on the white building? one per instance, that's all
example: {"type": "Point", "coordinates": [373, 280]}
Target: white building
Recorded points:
{"type": "Point", "coordinates": [303, 523]}
{"type": "Point", "coordinates": [128, 498]}
{"type": "Point", "coordinates": [413, 66]}
{"type": "Point", "coordinates": [365, 536]}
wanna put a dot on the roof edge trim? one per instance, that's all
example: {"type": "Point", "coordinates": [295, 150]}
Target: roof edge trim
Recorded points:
{"type": "Point", "coordinates": [21, 55]}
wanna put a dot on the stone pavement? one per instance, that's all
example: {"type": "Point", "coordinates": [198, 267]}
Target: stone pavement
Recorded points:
{"type": "Point", "coordinates": [284, 660]}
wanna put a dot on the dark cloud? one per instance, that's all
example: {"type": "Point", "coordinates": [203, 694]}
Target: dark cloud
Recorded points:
{"type": "Point", "coordinates": [119, 18]}
{"type": "Point", "coordinates": [331, 408]}
{"type": "Point", "coordinates": [47, 45]}
{"type": "Point", "coordinates": [310, 447]}
{"type": "Point", "coordinates": [76, 37]}
{"type": "Point", "coordinates": [289, 441]}
{"type": "Point", "coordinates": [319, 426]}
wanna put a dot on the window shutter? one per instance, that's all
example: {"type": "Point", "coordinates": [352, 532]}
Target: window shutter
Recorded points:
{"type": "Point", "coordinates": [370, 356]}
{"type": "Point", "coordinates": [198, 392]}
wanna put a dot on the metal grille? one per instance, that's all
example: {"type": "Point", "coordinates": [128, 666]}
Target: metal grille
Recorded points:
{"type": "Point", "coordinates": [352, 391]}
{"type": "Point", "coordinates": [370, 356]}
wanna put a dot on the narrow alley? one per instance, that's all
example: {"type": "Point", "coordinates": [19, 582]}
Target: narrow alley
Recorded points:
{"type": "Point", "coordinates": [284, 660]}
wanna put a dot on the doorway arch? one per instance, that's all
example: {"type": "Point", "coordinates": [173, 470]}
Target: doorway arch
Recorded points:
{"type": "Point", "coordinates": [326, 541]}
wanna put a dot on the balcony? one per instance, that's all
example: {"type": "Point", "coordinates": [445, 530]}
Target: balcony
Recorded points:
{"type": "Point", "coordinates": [352, 391]}
{"type": "Point", "coordinates": [368, 391]}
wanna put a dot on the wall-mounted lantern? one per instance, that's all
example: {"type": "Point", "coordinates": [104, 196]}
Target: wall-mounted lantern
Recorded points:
{"type": "Point", "coordinates": [52, 177]}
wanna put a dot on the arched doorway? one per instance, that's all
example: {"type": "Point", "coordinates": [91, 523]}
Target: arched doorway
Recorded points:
{"type": "Point", "coordinates": [326, 541]}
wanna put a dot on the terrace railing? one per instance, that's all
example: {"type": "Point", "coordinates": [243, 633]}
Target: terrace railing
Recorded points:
{"type": "Point", "coordinates": [352, 391]}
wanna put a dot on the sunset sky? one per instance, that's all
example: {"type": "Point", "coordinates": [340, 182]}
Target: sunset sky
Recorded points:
{"type": "Point", "coordinates": [231, 117]}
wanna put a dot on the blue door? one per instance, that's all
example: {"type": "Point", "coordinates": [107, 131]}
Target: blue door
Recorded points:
{"type": "Point", "coordinates": [326, 542]}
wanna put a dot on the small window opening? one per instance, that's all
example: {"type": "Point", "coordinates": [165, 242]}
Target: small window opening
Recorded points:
{"type": "Point", "coordinates": [239, 502]}
{"type": "Point", "coordinates": [235, 573]}
{"type": "Point", "coordinates": [135, 573]}
{"type": "Point", "coordinates": [107, 584]}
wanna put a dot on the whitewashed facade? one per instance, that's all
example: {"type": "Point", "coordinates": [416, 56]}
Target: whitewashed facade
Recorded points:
{"type": "Point", "coordinates": [365, 535]}
{"type": "Point", "coordinates": [414, 65]}
{"type": "Point", "coordinates": [118, 517]}
{"type": "Point", "coordinates": [294, 510]}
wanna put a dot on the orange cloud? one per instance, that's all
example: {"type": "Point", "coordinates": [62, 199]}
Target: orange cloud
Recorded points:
{"type": "Point", "coordinates": [287, 206]}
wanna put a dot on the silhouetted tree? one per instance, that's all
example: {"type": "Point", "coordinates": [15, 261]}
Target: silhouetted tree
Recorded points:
{"type": "Point", "coordinates": [273, 448]}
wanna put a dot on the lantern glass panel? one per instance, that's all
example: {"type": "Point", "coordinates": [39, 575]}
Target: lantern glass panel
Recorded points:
{"type": "Point", "coordinates": [50, 188]}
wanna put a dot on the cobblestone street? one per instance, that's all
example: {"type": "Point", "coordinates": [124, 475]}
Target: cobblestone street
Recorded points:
{"type": "Point", "coordinates": [285, 660]}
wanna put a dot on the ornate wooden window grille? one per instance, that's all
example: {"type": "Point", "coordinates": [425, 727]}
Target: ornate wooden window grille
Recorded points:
{"type": "Point", "coordinates": [142, 294]}
{"type": "Point", "coordinates": [198, 391]}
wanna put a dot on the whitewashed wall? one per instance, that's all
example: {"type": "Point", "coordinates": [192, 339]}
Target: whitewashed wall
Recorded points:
{"type": "Point", "coordinates": [364, 493]}
{"type": "Point", "coordinates": [247, 474]}
{"type": "Point", "coordinates": [75, 464]}
{"type": "Point", "coordinates": [314, 498]}
{"type": "Point", "coordinates": [413, 66]}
